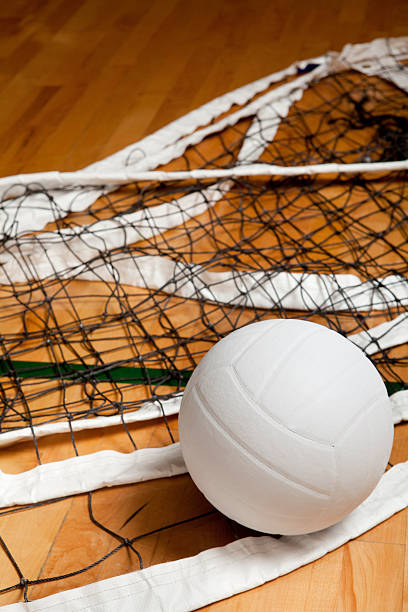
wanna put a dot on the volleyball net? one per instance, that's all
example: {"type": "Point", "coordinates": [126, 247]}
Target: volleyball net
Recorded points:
{"type": "Point", "coordinates": [285, 198]}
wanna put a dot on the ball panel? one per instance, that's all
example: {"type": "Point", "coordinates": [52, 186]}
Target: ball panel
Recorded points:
{"type": "Point", "coordinates": [272, 350]}
{"type": "Point", "coordinates": [339, 401]}
{"type": "Point", "coordinates": [315, 378]}
{"type": "Point", "coordinates": [306, 462]}
{"type": "Point", "coordinates": [237, 483]}
{"type": "Point", "coordinates": [298, 359]}
{"type": "Point", "coordinates": [233, 345]}
{"type": "Point", "coordinates": [362, 455]}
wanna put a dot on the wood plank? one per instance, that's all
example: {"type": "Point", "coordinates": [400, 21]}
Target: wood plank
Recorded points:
{"type": "Point", "coordinates": [405, 586]}
{"type": "Point", "coordinates": [315, 587]}
{"type": "Point", "coordinates": [368, 564]}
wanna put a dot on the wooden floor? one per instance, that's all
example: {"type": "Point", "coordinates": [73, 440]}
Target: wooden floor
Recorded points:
{"type": "Point", "coordinates": [80, 79]}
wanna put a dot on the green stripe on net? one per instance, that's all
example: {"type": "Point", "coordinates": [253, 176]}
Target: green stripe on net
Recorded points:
{"type": "Point", "coordinates": [393, 387]}
{"type": "Point", "coordinates": [125, 374]}
{"type": "Point", "coordinates": [75, 371]}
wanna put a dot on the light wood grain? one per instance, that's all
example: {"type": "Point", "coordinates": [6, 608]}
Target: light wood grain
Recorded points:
{"type": "Point", "coordinates": [80, 79]}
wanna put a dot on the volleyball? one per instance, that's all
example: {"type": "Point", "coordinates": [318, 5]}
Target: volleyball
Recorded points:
{"type": "Point", "coordinates": [286, 426]}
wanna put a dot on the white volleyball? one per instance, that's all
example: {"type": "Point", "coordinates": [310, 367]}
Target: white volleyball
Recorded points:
{"type": "Point", "coordinates": [286, 426]}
